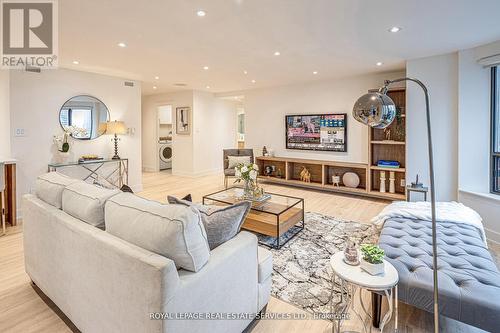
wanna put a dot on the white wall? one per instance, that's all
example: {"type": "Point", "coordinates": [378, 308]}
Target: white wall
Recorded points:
{"type": "Point", "coordinates": [182, 145]}
{"type": "Point", "coordinates": [474, 137]}
{"type": "Point", "coordinates": [265, 111]}
{"type": "Point", "coordinates": [213, 128]}
{"type": "Point", "coordinates": [35, 100]}
{"type": "Point", "coordinates": [4, 115]}
{"type": "Point", "coordinates": [440, 75]}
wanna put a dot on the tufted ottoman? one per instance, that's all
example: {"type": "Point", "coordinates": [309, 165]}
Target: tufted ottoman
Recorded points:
{"type": "Point", "coordinates": [469, 281]}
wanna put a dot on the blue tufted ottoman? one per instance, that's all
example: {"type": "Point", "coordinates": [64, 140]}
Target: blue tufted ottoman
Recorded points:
{"type": "Point", "coordinates": [469, 281]}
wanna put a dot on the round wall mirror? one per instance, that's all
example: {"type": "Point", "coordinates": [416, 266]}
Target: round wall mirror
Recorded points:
{"type": "Point", "coordinates": [85, 117]}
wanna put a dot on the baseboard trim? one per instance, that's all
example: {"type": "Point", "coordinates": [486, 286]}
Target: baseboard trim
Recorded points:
{"type": "Point", "coordinates": [492, 236]}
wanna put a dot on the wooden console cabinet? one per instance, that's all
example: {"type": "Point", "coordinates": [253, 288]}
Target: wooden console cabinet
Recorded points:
{"type": "Point", "coordinates": [287, 172]}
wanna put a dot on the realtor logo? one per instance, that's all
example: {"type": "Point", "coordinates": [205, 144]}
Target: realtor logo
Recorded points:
{"type": "Point", "coordinates": [29, 33]}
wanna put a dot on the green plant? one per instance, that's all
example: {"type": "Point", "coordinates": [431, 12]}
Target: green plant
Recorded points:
{"type": "Point", "coordinates": [372, 253]}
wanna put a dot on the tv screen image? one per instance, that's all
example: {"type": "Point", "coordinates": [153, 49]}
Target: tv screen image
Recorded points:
{"type": "Point", "coordinates": [323, 132]}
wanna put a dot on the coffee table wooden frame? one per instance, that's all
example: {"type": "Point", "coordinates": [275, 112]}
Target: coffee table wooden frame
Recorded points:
{"type": "Point", "coordinates": [265, 222]}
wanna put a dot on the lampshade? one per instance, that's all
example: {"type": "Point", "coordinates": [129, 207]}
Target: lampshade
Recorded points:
{"type": "Point", "coordinates": [374, 109]}
{"type": "Point", "coordinates": [116, 127]}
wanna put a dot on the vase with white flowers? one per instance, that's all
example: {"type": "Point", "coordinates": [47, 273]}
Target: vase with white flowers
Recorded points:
{"type": "Point", "coordinates": [248, 173]}
{"type": "Point", "coordinates": [62, 141]}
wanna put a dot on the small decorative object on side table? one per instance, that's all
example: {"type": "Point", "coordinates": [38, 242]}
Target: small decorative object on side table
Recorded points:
{"type": "Point", "coordinates": [372, 260]}
{"type": "Point", "coordinates": [352, 280]}
{"type": "Point", "coordinates": [351, 254]}
{"type": "Point", "coordinates": [416, 186]}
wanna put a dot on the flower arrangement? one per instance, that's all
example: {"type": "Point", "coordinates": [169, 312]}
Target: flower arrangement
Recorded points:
{"type": "Point", "coordinates": [372, 254]}
{"type": "Point", "coordinates": [248, 173]}
{"type": "Point", "coordinates": [69, 131]}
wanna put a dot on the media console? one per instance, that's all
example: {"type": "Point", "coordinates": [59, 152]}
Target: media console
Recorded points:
{"type": "Point", "coordinates": [287, 172]}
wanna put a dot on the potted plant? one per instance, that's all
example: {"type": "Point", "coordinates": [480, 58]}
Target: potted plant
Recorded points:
{"type": "Point", "coordinates": [372, 260]}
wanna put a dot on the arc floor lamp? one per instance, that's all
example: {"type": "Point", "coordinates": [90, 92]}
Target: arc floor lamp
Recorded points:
{"type": "Point", "coordinates": [377, 110]}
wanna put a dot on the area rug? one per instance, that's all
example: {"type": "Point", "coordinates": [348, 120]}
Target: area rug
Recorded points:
{"type": "Point", "coordinates": [301, 268]}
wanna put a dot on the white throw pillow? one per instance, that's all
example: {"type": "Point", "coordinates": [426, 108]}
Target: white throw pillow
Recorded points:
{"type": "Point", "coordinates": [85, 202]}
{"type": "Point", "coordinates": [49, 187]}
{"type": "Point", "coordinates": [234, 161]}
{"type": "Point", "coordinates": [173, 231]}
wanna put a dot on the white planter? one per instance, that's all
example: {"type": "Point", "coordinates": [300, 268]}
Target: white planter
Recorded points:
{"type": "Point", "coordinates": [372, 269]}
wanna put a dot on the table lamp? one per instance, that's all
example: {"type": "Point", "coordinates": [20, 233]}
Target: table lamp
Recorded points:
{"type": "Point", "coordinates": [378, 110]}
{"type": "Point", "coordinates": [116, 128]}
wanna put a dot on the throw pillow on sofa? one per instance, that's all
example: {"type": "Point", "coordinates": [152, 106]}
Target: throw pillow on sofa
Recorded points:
{"type": "Point", "coordinates": [86, 201]}
{"type": "Point", "coordinates": [173, 231]}
{"type": "Point", "coordinates": [221, 223]}
{"type": "Point", "coordinates": [49, 187]}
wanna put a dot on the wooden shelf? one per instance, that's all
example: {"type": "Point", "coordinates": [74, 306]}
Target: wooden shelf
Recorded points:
{"type": "Point", "coordinates": [388, 142]}
{"type": "Point", "coordinates": [374, 167]}
{"type": "Point", "coordinates": [387, 195]}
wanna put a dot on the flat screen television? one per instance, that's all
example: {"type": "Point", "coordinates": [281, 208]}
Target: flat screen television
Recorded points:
{"type": "Point", "coordinates": [321, 132]}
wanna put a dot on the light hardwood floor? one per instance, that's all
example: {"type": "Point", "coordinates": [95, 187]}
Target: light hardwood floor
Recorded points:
{"type": "Point", "coordinates": [23, 310]}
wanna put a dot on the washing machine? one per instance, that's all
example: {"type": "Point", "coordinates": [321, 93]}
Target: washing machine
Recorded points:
{"type": "Point", "coordinates": [165, 151]}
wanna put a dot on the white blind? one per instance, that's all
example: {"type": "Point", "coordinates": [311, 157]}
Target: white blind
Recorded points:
{"type": "Point", "coordinates": [490, 61]}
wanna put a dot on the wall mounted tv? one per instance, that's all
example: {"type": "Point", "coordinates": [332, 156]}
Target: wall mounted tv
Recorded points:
{"type": "Point", "coordinates": [321, 132]}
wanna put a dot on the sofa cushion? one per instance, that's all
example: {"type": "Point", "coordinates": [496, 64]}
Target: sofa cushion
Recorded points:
{"type": "Point", "coordinates": [173, 231]}
{"type": "Point", "coordinates": [234, 161]}
{"type": "Point", "coordinates": [221, 222]}
{"type": "Point", "coordinates": [265, 264]}
{"type": "Point", "coordinates": [85, 201]}
{"type": "Point", "coordinates": [49, 187]}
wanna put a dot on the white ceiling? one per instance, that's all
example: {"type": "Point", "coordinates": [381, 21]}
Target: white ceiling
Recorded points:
{"type": "Point", "coordinates": [337, 38]}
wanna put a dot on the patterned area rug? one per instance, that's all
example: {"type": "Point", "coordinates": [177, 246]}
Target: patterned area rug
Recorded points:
{"type": "Point", "coordinates": [301, 268]}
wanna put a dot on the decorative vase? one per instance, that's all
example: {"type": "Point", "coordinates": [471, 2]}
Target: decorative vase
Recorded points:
{"type": "Point", "coordinates": [249, 189]}
{"type": "Point", "coordinates": [372, 269]}
{"type": "Point", "coordinates": [350, 179]}
{"type": "Point", "coordinates": [392, 182]}
{"type": "Point", "coordinates": [351, 254]}
{"type": "Point", "coordinates": [382, 181]}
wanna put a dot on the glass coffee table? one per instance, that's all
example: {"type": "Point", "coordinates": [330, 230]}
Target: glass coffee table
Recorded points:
{"type": "Point", "coordinates": [277, 219]}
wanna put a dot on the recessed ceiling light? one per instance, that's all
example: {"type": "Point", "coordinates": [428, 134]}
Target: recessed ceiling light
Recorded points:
{"type": "Point", "coordinates": [205, 68]}
{"type": "Point", "coordinates": [253, 81]}
{"type": "Point", "coordinates": [208, 87]}
{"type": "Point", "coordinates": [395, 29]}
{"type": "Point", "coordinates": [315, 72]}
{"type": "Point", "coordinates": [277, 53]}
{"type": "Point", "coordinates": [75, 62]}
{"type": "Point", "coordinates": [379, 63]}
{"type": "Point", "coordinates": [157, 77]}
{"type": "Point", "coordinates": [201, 13]}
{"type": "Point", "coordinates": [122, 44]}
{"type": "Point", "coordinates": [245, 72]}
{"type": "Point", "coordinates": [155, 87]}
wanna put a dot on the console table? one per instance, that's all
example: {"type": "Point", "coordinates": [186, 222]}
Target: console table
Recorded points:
{"type": "Point", "coordinates": [110, 172]}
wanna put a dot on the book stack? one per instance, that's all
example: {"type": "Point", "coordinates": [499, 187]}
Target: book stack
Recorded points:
{"type": "Point", "coordinates": [388, 164]}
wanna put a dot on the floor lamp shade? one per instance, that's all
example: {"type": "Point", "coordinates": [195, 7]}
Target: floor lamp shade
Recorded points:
{"type": "Point", "coordinates": [378, 110]}
{"type": "Point", "coordinates": [374, 109]}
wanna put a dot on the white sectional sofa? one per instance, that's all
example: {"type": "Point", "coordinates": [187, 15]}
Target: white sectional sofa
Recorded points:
{"type": "Point", "coordinates": [104, 283]}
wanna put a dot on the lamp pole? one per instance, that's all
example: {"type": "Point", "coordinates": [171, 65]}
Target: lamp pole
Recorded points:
{"type": "Point", "coordinates": [433, 192]}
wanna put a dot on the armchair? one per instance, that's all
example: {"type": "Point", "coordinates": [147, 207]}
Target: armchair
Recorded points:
{"type": "Point", "coordinates": [229, 172]}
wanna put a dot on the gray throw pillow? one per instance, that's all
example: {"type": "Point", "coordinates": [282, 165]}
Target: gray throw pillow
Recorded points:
{"type": "Point", "coordinates": [221, 223]}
